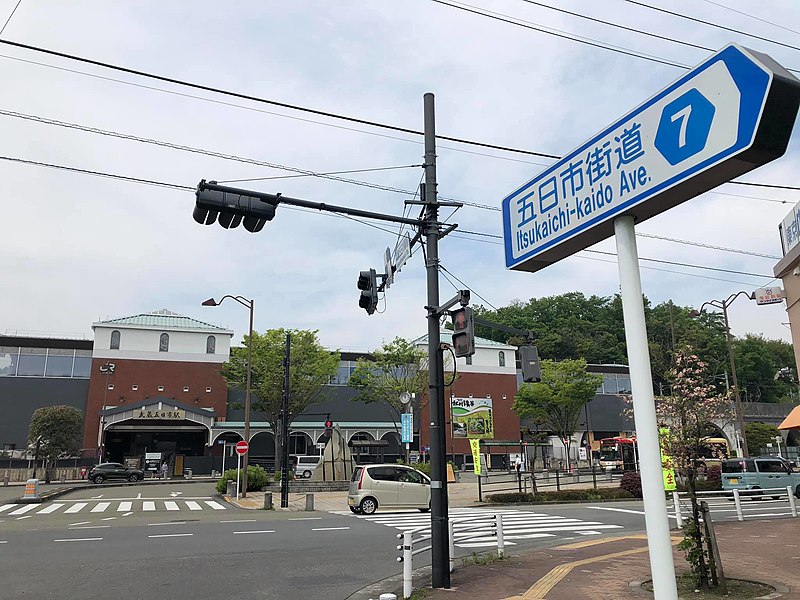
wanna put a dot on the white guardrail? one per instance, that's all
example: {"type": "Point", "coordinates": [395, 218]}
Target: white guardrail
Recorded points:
{"type": "Point", "coordinates": [778, 495]}
{"type": "Point", "coordinates": [464, 535]}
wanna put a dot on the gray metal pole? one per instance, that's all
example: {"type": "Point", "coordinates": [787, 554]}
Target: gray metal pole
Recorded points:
{"type": "Point", "coordinates": [440, 560]}
{"type": "Point", "coordinates": [736, 395]}
{"type": "Point", "coordinates": [246, 458]}
{"type": "Point", "coordinates": [285, 426]}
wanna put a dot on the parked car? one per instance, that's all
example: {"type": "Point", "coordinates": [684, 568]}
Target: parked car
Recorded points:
{"type": "Point", "coordinates": [107, 471]}
{"type": "Point", "coordinates": [305, 466]}
{"type": "Point", "coordinates": [759, 472]}
{"type": "Point", "coordinates": [388, 485]}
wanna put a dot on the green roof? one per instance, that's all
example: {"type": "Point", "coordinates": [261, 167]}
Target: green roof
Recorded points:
{"type": "Point", "coordinates": [162, 319]}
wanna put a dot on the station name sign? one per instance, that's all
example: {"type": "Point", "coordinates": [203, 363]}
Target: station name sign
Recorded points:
{"type": "Point", "coordinates": [177, 414]}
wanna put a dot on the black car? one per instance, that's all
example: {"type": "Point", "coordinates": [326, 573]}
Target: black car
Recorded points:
{"type": "Point", "coordinates": [99, 473]}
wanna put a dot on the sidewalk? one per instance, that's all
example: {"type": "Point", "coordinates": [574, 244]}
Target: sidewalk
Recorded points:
{"type": "Point", "coordinates": [767, 551]}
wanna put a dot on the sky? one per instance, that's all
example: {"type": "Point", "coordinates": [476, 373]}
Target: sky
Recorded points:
{"type": "Point", "coordinates": [77, 248]}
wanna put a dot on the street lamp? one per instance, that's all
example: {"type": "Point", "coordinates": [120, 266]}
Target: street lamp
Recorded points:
{"type": "Point", "coordinates": [249, 305]}
{"type": "Point", "coordinates": [724, 304]}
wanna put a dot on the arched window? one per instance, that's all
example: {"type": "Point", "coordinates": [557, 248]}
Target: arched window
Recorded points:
{"type": "Point", "coordinates": [211, 345]}
{"type": "Point", "coordinates": [163, 343]}
{"type": "Point", "coordinates": [502, 358]}
{"type": "Point", "coordinates": [115, 340]}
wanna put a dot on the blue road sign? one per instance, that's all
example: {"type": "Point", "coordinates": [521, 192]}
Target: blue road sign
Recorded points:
{"type": "Point", "coordinates": [406, 428]}
{"type": "Point", "coordinates": [732, 113]}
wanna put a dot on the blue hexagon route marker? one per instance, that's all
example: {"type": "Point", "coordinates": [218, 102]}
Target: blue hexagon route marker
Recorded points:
{"type": "Point", "coordinates": [732, 113]}
{"type": "Point", "coordinates": [684, 126]}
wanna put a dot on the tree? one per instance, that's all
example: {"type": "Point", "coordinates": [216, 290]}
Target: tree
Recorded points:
{"type": "Point", "coordinates": [692, 405]}
{"type": "Point", "coordinates": [56, 432]}
{"type": "Point", "coordinates": [757, 361]}
{"type": "Point", "coordinates": [562, 393]}
{"type": "Point", "coordinates": [395, 369]}
{"type": "Point", "coordinates": [759, 435]}
{"type": "Point", "coordinates": [311, 367]}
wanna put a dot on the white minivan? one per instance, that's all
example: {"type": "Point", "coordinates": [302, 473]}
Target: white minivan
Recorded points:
{"type": "Point", "coordinates": [305, 466]}
{"type": "Point", "coordinates": [388, 485]}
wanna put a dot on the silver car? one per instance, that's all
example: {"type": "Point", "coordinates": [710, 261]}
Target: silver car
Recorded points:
{"type": "Point", "coordinates": [388, 486]}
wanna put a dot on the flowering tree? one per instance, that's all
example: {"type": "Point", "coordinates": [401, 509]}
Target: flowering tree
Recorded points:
{"type": "Point", "coordinates": [694, 404]}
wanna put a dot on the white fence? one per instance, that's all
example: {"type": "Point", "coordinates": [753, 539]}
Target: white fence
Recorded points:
{"type": "Point", "coordinates": [719, 501]}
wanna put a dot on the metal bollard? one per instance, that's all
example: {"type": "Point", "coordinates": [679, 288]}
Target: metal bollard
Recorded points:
{"type": "Point", "coordinates": [63, 478]}
{"type": "Point", "coordinates": [792, 503]}
{"type": "Point", "coordinates": [407, 559]}
{"type": "Point", "coordinates": [309, 501]}
{"type": "Point", "coordinates": [267, 500]}
{"type": "Point", "coordinates": [501, 544]}
{"type": "Point", "coordinates": [450, 531]}
{"type": "Point", "coordinates": [558, 482]}
{"type": "Point", "coordinates": [676, 504]}
{"type": "Point", "coordinates": [738, 502]}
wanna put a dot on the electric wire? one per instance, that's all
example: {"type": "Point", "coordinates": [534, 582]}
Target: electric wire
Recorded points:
{"type": "Point", "coordinates": [318, 174]}
{"type": "Point", "coordinates": [710, 24]}
{"type": "Point", "coordinates": [709, 246]}
{"type": "Point", "coordinates": [752, 16]}
{"type": "Point", "coordinates": [8, 20]}
{"type": "Point", "coordinates": [446, 270]}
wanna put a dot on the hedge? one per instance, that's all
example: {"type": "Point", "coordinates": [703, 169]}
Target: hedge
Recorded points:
{"type": "Point", "coordinates": [257, 478]}
{"type": "Point", "coordinates": [562, 496]}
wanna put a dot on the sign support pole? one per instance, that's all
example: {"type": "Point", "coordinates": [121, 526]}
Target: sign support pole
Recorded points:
{"type": "Point", "coordinates": [238, 473]}
{"type": "Point", "coordinates": [662, 567]}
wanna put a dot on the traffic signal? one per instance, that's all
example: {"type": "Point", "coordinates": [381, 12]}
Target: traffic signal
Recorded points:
{"type": "Point", "coordinates": [231, 207]}
{"type": "Point", "coordinates": [529, 359]}
{"type": "Point", "coordinates": [463, 332]}
{"type": "Point", "coordinates": [368, 284]}
{"type": "Point", "coordinates": [328, 424]}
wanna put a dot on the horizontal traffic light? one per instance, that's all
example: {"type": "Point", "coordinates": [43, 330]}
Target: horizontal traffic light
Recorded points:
{"type": "Point", "coordinates": [230, 207]}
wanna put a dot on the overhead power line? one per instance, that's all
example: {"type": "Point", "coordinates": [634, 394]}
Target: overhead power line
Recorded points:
{"type": "Point", "coordinates": [319, 174]}
{"type": "Point", "coordinates": [709, 246]}
{"type": "Point", "coordinates": [752, 16]}
{"type": "Point", "coordinates": [8, 20]}
{"type": "Point", "coordinates": [710, 24]}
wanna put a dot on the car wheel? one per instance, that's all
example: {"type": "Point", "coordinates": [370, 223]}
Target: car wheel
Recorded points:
{"type": "Point", "coordinates": [425, 509]}
{"type": "Point", "coordinates": [797, 492]}
{"type": "Point", "coordinates": [307, 474]}
{"type": "Point", "coordinates": [355, 510]}
{"type": "Point", "coordinates": [133, 478]}
{"type": "Point", "coordinates": [368, 506]}
{"type": "Point", "coordinates": [98, 479]}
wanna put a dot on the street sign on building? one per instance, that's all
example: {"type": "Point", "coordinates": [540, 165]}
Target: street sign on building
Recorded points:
{"type": "Point", "coordinates": [790, 229]}
{"type": "Point", "coordinates": [242, 448]}
{"type": "Point", "coordinates": [769, 295]}
{"type": "Point", "coordinates": [730, 114]}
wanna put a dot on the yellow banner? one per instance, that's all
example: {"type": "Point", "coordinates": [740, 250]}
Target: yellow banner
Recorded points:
{"type": "Point", "coordinates": [475, 446]}
{"type": "Point", "coordinates": [666, 463]}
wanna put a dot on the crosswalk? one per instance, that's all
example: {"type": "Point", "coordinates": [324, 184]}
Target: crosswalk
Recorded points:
{"type": "Point", "coordinates": [117, 507]}
{"type": "Point", "coordinates": [475, 528]}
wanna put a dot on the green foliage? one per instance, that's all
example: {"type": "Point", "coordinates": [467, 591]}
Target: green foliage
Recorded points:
{"type": "Point", "coordinates": [58, 430]}
{"type": "Point", "coordinates": [632, 483]}
{"type": "Point", "coordinates": [589, 495]}
{"type": "Point", "coordinates": [558, 399]}
{"type": "Point", "coordinates": [396, 368]}
{"type": "Point", "coordinates": [759, 435]}
{"type": "Point", "coordinates": [484, 558]}
{"type": "Point", "coordinates": [714, 476]}
{"type": "Point", "coordinates": [695, 552]}
{"type": "Point", "coordinates": [422, 467]}
{"type": "Point", "coordinates": [757, 361]}
{"type": "Point", "coordinates": [257, 478]}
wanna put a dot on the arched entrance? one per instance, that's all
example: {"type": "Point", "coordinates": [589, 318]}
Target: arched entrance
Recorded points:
{"type": "Point", "coordinates": [262, 450]}
{"type": "Point", "coordinates": [300, 444]}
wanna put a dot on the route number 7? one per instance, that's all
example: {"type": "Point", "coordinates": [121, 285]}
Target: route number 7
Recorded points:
{"type": "Point", "coordinates": [682, 114]}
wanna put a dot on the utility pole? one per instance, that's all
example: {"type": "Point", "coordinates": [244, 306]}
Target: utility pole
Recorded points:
{"type": "Point", "coordinates": [285, 425]}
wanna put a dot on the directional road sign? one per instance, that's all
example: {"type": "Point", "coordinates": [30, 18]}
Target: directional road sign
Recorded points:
{"type": "Point", "coordinates": [406, 431]}
{"type": "Point", "coordinates": [732, 113]}
{"type": "Point", "coordinates": [242, 448]}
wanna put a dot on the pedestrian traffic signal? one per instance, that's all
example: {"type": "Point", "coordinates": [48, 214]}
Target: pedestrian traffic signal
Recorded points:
{"type": "Point", "coordinates": [463, 332]}
{"type": "Point", "coordinates": [328, 424]}
{"type": "Point", "coordinates": [368, 284]}
{"type": "Point", "coordinates": [529, 359]}
{"type": "Point", "coordinates": [231, 207]}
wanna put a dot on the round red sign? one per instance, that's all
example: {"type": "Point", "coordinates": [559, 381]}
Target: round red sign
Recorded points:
{"type": "Point", "coordinates": [242, 448]}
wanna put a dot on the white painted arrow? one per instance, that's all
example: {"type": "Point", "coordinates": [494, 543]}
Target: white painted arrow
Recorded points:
{"type": "Point", "coordinates": [96, 497]}
{"type": "Point", "coordinates": [173, 494]}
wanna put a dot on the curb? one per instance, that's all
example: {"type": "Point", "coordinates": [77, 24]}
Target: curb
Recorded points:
{"type": "Point", "coordinates": [392, 585]}
{"type": "Point", "coordinates": [780, 589]}
{"type": "Point", "coordinates": [57, 493]}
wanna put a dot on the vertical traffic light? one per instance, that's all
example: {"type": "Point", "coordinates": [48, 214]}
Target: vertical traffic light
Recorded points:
{"type": "Point", "coordinates": [463, 332]}
{"type": "Point", "coordinates": [529, 363]}
{"type": "Point", "coordinates": [328, 424]}
{"type": "Point", "coordinates": [368, 284]}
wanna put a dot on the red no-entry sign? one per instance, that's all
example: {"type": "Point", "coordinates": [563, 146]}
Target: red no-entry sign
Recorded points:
{"type": "Point", "coordinates": [242, 448]}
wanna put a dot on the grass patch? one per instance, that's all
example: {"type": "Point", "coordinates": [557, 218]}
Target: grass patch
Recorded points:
{"type": "Point", "coordinates": [484, 558]}
{"type": "Point", "coordinates": [419, 594]}
{"type": "Point", "coordinates": [737, 589]}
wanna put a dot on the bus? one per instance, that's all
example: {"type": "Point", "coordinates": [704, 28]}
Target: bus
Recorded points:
{"type": "Point", "coordinates": [618, 453]}
{"type": "Point", "coordinates": [712, 451]}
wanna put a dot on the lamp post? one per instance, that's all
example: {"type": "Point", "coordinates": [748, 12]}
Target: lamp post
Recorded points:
{"type": "Point", "coordinates": [724, 304]}
{"type": "Point", "coordinates": [249, 305]}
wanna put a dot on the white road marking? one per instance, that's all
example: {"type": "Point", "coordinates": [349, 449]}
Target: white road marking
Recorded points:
{"type": "Point", "coordinates": [75, 508]}
{"type": "Point", "coordinates": [171, 505]}
{"type": "Point", "coordinates": [79, 523]}
{"type": "Point", "coordinates": [329, 528]}
{"type": "Point", "coordinates": [239, 521]}
{"type": "Point", "coordinates": [108, 519]}
{"type": "Point", "coordinates": [168, 535]}
{"type": "Point", "coordinates": [91, 527]}
{"type": "Point", "coordinates": [96, 497]}
{"type": "Point", "coordinates": [6, 507]}
{"type": "Point", "coordinates": [79, 540]}
{"type": "Point", "coordinates": [588, 532]}
{"type": "Point", "coordinates": [23, 509]}
{"type": "Point", "coordinates": [3, 541]}
{"type": "Point", "coordinates": [25, 517]}
{"type": "Point", "coordinates": [215, 505]}
{"type": "Point", "coordinates": [246, 532]}
{"type": "Point", "coordinates": [48, 509]}
{"type": "Point", "coordinates": [138, 496]}
{"type": "Point", "coordinates": [622, 510]}
{"type": "Point", "coordinates": [173, 494]}
{"type": "Point", "coordinates": [101, 506]}
{"type": "Point", "coordinates": [148, 506]}
{"type": "Point", "coordinates": [127, 514]}
{"type": "Point", "coordinates": [193, 505]}
{"type": "Point", "coordinates": [167, 523]}
{"type": "Point", "coordinates": [306, 519]}
{"type": "Point", "coordinates": [124, 506]}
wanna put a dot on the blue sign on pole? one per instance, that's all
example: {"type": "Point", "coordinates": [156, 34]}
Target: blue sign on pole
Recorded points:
{"type": "Point", "coordinates": [406, 428]}
{"type": "Point", "coordinates": [730, 114]}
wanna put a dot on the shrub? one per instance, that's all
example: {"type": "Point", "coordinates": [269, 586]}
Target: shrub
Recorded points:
{"type": "Point", "coordinates": [632, 483]}
{"type": "Point", "coordinates": [420, 466]}
{"type": "Point", "coordinates": [257, 478]}
{"type": "Point", "coordinates": [714, 475]}
{"type": "Point", "coordinates": [562, 496]}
